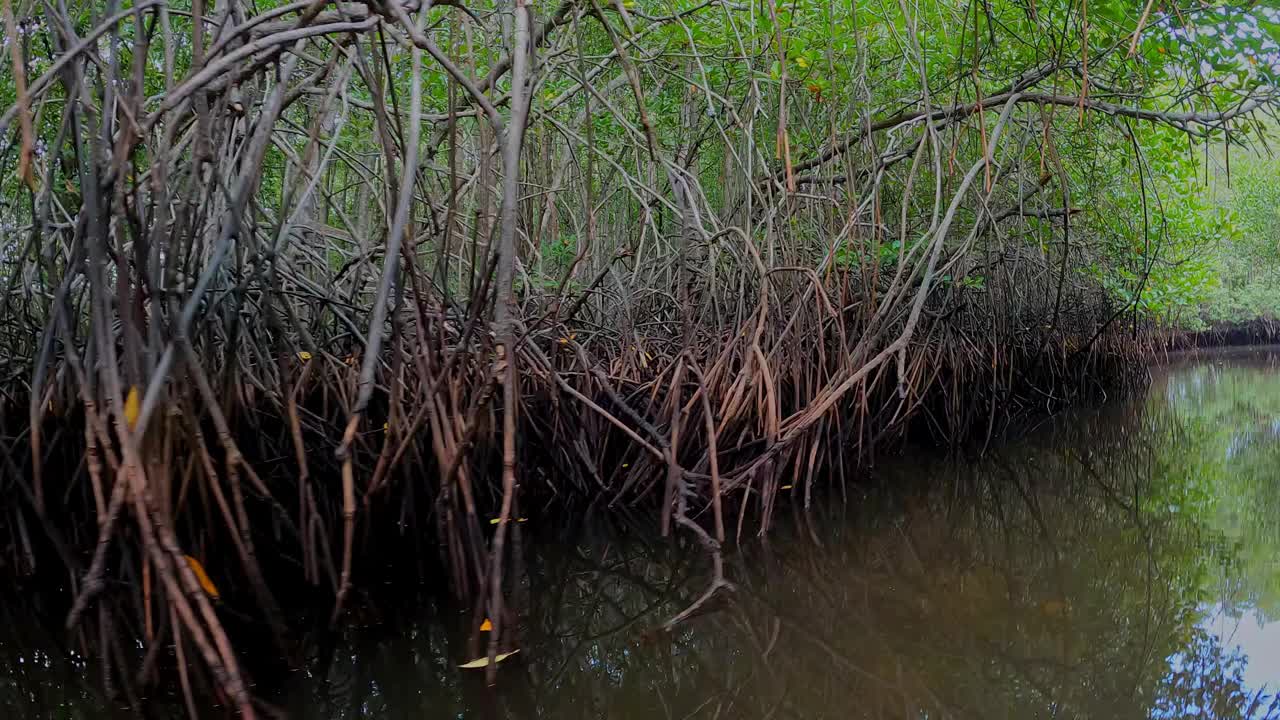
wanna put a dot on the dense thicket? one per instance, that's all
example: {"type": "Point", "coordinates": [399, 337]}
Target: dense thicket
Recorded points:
{"type": "Point", "coordinates": [278, 272]}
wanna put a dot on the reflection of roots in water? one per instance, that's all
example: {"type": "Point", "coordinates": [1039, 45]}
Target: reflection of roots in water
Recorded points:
{"type": "Point", "coordinates": [1012, 588]}
{"type": "Point", "coordinates": [1038, 579]}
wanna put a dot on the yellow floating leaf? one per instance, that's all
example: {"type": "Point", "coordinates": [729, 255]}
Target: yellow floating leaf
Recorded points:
{"type": "Point", "coordinates": [523, 520]}
{"type": "Point", "coordinates": [486, 626]}
{"type": "Point", "coordinates": [787, 487]}
{"type": "Point", "coordinates": [131, 407]}
{"type": "Point", "coordinates": [202, 577]}
{"type": "Point", "coordinates": [495, 521]}
{"type": "Point", "coordinates": [304, 356]}
{"type": "Point", "coordinates": [1055, 608]}
{"type": "Point", "coordinates": [484, 661]}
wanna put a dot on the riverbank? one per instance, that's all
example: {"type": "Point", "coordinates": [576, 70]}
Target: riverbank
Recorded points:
{"type": "Point", "coordinates": [1260, 331]}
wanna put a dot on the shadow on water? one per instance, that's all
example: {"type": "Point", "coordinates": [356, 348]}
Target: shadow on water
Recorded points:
{"type": "Point", "coordinates": [1120, 562]}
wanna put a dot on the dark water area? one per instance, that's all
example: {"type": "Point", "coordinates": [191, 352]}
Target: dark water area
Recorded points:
{"type": "Point", "coordinates": [1114, 562]}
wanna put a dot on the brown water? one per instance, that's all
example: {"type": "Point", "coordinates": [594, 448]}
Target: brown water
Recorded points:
{"type": "Point", "coordinates": [1119, 562]}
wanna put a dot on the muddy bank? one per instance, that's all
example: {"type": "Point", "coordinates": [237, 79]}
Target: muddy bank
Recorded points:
{"type": "Point", "coordinates": [1260, 331]}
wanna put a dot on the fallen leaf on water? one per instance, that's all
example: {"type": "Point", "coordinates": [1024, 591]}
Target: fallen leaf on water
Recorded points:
{"type": "Point", "coordinates": [1054, 608]}
{"type": "Point", "coordinates": [486, 626]}
{"type": "Point", "coordinates": [787, 487]}
{"type": "Point", "coordinates": [304, 356]}
{"type": "Point", "coordinates": [523, 520]}
{"type": "Point", "coordinates": [202, 577]}
{"type": "Point", "coordinates": [484, 661]}
{"type": "Point", "coordinates": [131, 407]}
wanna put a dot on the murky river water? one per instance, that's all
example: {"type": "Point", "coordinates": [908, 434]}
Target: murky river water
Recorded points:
{"type": "Point", "coordinates": [1119, 562]}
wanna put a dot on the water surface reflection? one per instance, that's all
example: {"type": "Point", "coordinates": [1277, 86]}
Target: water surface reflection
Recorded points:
{"type": "Point", "coordinates": [1115, 563]}
{"type": "Point", "coordinates": [1119, 563]}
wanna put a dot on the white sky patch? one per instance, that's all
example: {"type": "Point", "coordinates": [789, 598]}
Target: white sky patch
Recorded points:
{"type": "Point", "coordinates": [1256, 638]}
